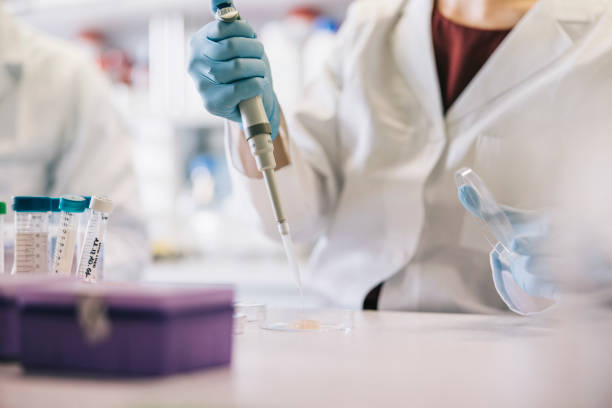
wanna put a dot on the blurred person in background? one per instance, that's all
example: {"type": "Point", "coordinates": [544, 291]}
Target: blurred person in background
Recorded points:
{"type": "Point", "coordinates": [61, 134]}
{"type": "Point", "coordinates": [415, 90]}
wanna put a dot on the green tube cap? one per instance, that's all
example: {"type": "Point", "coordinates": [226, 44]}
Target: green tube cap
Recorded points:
{"type": "Point", "coordinates": [2, 208]}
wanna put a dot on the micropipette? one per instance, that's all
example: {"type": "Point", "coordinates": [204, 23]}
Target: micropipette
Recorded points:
{"type": "Point", "coordinates": [259, 136]}
{"type": "Point", "coordinates": [71, 209]}
{"type": "Point", "coordinates": [89, 265]}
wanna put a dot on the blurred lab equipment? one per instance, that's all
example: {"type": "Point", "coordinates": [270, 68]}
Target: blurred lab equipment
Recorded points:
{"type": "Point", "coordinates": [125, 329]}
{"type": "Point", "coordinates": [203, 182]}
{"type": "Point", "coordinates": [2, 235]}
{"type": "Point", "coordinates": [113, 61]}
{"type": "Point", "coordinates": [31, 234]}
{"type": "Point", "coordinates": [517, 239]}
{"type": "Point", "coordinates": [317, 48]}
{"type": "Point", "coordinates": [72, 207]}
{"type": "Point", "coordinates": [285, 43]}
{"type": "Point", "coordinates": [78, 143]}
{"type": "Point", "coordinates": [90, 260]}
{"type": "Point", "coordinates": [210, 183]}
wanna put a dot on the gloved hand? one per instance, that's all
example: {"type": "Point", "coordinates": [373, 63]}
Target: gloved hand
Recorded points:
{"type": "Point", "coordinates": [529, 263]}
{"type": "Point", "coordinates": [229, 65]}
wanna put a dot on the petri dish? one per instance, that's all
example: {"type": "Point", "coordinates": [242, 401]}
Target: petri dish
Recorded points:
{"type": "Point", "coordinates": [492, 218]}
{"type": "Point", "coordinates": [306, 320]}
{"type": "Point", "coordinates": [251, 310]}
{"type": "Point", "coordinates": [240, 321]}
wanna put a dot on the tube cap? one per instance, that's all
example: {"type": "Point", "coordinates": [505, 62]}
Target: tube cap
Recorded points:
{"type": "Point", "coordinates": [72, 204]}
{"type": "Point", "coordinates": [31, 204]}
{"type": "Point", "coordinates": [2, 207]}
{"type": "Point", "coordinates": [87, 201]}
{"type": "Point", "coordinates": [101, 204]}
{"type": "Point", "coordinates": [55, 205]}
{"type": "Point", "coordinates": [326, 24]}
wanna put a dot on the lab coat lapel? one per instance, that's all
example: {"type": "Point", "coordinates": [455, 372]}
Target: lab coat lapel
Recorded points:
{"type": "Point", "coordinates": [413, 50]}
{"type": "Point", "coordinates": [536, 42]}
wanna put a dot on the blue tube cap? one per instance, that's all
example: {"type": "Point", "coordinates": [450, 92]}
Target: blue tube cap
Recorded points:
{"type": "Point", "coordinates": [87, 201]}
{"type": "Point", "coordinates": [326, 24]}
{"type": "Point", "coordinates": [72, 204]}
{"type": "Point", "coordinates": [55, 204]}
{"type": "Point", "coordinates": [31, 204]}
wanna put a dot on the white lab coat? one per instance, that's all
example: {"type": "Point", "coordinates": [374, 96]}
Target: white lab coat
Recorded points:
{"type": "Point", "coordinates": [373, 155]}
{"type": "Point", "coordinates": [60, 134]}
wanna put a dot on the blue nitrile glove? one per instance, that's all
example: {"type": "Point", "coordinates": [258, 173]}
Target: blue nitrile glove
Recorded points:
{"type": "Point", "coordinates": [529, 263]}
{"type": "Point", "coordinates": [229, 65]}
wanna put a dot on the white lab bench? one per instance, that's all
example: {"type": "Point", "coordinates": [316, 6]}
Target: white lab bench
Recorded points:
{"type": "Point", "coordinates": [388, 360]}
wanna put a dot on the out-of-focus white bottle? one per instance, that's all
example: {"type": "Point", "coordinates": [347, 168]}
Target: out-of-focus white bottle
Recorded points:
{"type": "Point", "coordinates": [284, 43]}
{"type": "Point", "coordinates": [319, 46]}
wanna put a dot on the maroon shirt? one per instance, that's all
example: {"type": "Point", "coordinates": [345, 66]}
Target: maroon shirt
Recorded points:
{"type": "Point", "coordinates": [460, 53]}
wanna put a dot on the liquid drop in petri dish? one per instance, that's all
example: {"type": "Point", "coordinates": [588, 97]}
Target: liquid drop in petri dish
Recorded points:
{"type": "Point", "coordinates": [307, 325]}
{"type": "Point", "coordinates": [306, 321]}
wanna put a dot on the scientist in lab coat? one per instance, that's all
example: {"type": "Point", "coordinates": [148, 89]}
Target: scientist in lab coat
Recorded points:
{"type": "Point", "coordinates": [60, 134]}
{"type": "Point", "coordinates": [415, 90]}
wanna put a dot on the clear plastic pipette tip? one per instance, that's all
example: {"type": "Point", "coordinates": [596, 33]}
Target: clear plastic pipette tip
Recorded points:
{"type": "Point", "coordinates": [290, 252]}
